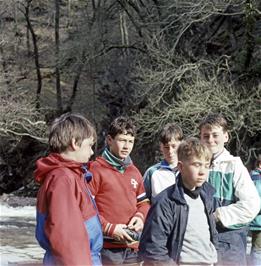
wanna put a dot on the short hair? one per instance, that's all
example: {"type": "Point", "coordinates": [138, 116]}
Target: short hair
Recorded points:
{"type": "Point", "coordinates": [214, 119]}
{"type": "Point", "coordinates": [192, 147]}
{"type": "Point", "coordinates": [66, 127]}
{"type": "Point", "coordinates": [169, 131]}
{"type": "Point", "coordinates": [122, 125]}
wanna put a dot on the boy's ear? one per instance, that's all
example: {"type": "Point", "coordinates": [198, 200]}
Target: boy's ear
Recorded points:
{"type": "Point", "coordinates": [109, 140]}
{"type": "Point", "coordinates": [226, 137]}
{"type": "Point", "coordinates": [74, 145]}
{"type": "Point", "coordinates": [180, 166]}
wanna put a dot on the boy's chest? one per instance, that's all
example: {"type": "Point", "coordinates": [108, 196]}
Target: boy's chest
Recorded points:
{"type": "Point", "coordinates": [115, 182]}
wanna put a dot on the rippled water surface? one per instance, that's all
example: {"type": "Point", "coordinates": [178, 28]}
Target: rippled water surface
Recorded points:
{"type": "Point", "coordinates": [18, 244]}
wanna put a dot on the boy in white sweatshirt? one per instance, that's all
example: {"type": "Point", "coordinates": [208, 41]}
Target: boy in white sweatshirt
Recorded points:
{"type": "Point", "coordinates": [238, 197]}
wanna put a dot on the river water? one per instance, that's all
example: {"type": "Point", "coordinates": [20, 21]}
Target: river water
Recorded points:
{"type": "Point", "coordinates": [17, 227]}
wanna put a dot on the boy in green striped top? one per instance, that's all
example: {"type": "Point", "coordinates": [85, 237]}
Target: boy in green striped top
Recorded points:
{"type": "Point", "coordinates": [235, 192]}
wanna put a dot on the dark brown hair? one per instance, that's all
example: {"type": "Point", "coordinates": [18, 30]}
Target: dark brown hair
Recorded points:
{"type": "Point", "coordinates": [69, 126]}
{"type": "Point", "coordinates": [214, 119]}
{"type": "Point", "coordinates": [122, 125]}
{"type": "Point", "coordinates": [170, 130]}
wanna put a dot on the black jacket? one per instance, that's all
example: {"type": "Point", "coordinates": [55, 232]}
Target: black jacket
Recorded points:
{"type": "Point", "coordinates": [166, 222]}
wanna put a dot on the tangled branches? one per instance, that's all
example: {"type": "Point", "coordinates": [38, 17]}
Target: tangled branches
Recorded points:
{"type": "Point", "coordinates": [19, 117]}
{"type": "Point", "coordinates": [205, 88]}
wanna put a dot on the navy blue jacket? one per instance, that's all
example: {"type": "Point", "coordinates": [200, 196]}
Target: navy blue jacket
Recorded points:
{"type": "Point", "coordinates": [166, 222]}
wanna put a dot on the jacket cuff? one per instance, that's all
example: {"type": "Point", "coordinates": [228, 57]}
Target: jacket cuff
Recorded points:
{"type": "Point", "coordinates": [109, 229]}
{"type": "Point", "coordinates": [139, 215]}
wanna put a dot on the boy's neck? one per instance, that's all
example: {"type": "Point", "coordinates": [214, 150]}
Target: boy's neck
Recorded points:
{"type": "Point", "coordinates": [68, 156]}
{"type": "Point", "coordinates": [173, 165]}
{"type": "Point", "coordinates": [191, 192]}
{"type": "Point", "coordinates": [186, 186]}
{"type": "Point", "coordinates": [115, 156]}
{"type": "Point", "coordinates": [215, 155]}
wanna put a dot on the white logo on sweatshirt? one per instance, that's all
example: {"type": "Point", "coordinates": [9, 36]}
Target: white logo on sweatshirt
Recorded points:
{"type": "Point", "coordinates": [134, 183]}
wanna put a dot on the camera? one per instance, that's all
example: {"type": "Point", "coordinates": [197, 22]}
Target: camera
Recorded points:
{"type": "Point", "coordinates": [133, 234]}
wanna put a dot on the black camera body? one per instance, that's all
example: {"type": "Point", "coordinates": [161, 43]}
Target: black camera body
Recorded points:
{"type": "Point", "coordinates": [133, 234]}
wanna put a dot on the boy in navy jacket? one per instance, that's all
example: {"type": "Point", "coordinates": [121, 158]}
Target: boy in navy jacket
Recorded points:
{"type": "Point", "coordinates": [180, 227]}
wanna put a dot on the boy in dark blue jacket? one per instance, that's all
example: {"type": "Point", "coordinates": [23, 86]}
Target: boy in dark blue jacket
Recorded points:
{"type": "Point", "coordinates": [180, 226]}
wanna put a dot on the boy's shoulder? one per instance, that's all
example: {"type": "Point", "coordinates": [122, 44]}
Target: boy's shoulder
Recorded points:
{"type": "Point", "coordinates": [152, 169]}
{"type": "Point", "coordinates": [208, 189]}
{"type": "Point", "coordinates": [162, 165]}
{"type": "Point", "coordinates": [171, 193]}
{"type": "Point", "coordinates": [61, 175]}
{"type": "Point", "coordinates": [227, 158]}
{"type": "Point", "coordinates": [256, 174]}
{"type": "Point", "coordinates": [98, 162]}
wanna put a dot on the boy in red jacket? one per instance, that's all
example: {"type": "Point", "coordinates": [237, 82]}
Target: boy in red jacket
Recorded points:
{"type": "Point", "coordinates": [68, 226]}
{"type": "Point", "coordinates": [119, 193]}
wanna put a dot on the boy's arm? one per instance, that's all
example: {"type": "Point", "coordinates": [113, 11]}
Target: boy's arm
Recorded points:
{"type": "Point", "coordinates": [156, 232]}
{"type": "Point", "coordinates": [65, 228]}
{"type": "Point", "coordinates": [94, 186]}
{"type": "Point", "coordinates": [143, 205]}
{"type": "Point", "coordinates": [247, 206]}
{"type": "Point", "coordinates": [147, 183]}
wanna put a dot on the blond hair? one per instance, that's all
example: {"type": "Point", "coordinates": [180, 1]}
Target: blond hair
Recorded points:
{"type": "Point", "coordinates": [192, 147]}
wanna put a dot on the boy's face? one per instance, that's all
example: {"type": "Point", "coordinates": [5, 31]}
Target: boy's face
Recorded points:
{"type": "Point", "coordinates": [121, 145]}
{"type": "Point", "coordinates": [194, 172]}
{"type": "Point", "coordinates": [169, 150]}
{"type": "Point", "coordinates": [214, 138]}
{"type": "Point", "coordinates": [82, 153]}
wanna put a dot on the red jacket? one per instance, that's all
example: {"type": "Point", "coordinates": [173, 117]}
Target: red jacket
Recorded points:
{"type": "Point", "coordinates": [119, 196]}
{"type": "Point", "coordinates": [62, 209]}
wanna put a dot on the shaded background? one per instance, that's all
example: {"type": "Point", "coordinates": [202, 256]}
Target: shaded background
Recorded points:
{"type": "Point", "coordinates": [156, 61]}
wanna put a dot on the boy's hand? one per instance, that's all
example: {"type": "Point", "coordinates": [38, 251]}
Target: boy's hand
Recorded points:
{"type": "Point", "coordinates": [120, 234]}
{"type": "Point", "coordinates": [136, 224]}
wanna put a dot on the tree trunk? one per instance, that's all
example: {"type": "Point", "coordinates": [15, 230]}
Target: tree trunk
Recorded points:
{"type": "Point", "coordinates": [36, 54]}
{"type": "Point", "coordinates": [57, 55]}
{"type": "Point", "coordinates": [76, 81]}
{"type": "Point", "coordinates": [5, 70]}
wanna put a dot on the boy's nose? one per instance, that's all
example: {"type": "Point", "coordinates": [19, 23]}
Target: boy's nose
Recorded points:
{"type": "Point", "coordinates": [171, 149]}
{"type": "Point", "coordinates": [210, 139]}
{"type": "Point", "coordinates": [202, 170]}
{"type": "Point", "coordinates": [126, 145]}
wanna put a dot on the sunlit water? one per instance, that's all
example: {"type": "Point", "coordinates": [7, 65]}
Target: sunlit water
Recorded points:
{"type": "Point", "coordinates": [18, 243]}
{"type": "Point", "coordinates": [17, 227]}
